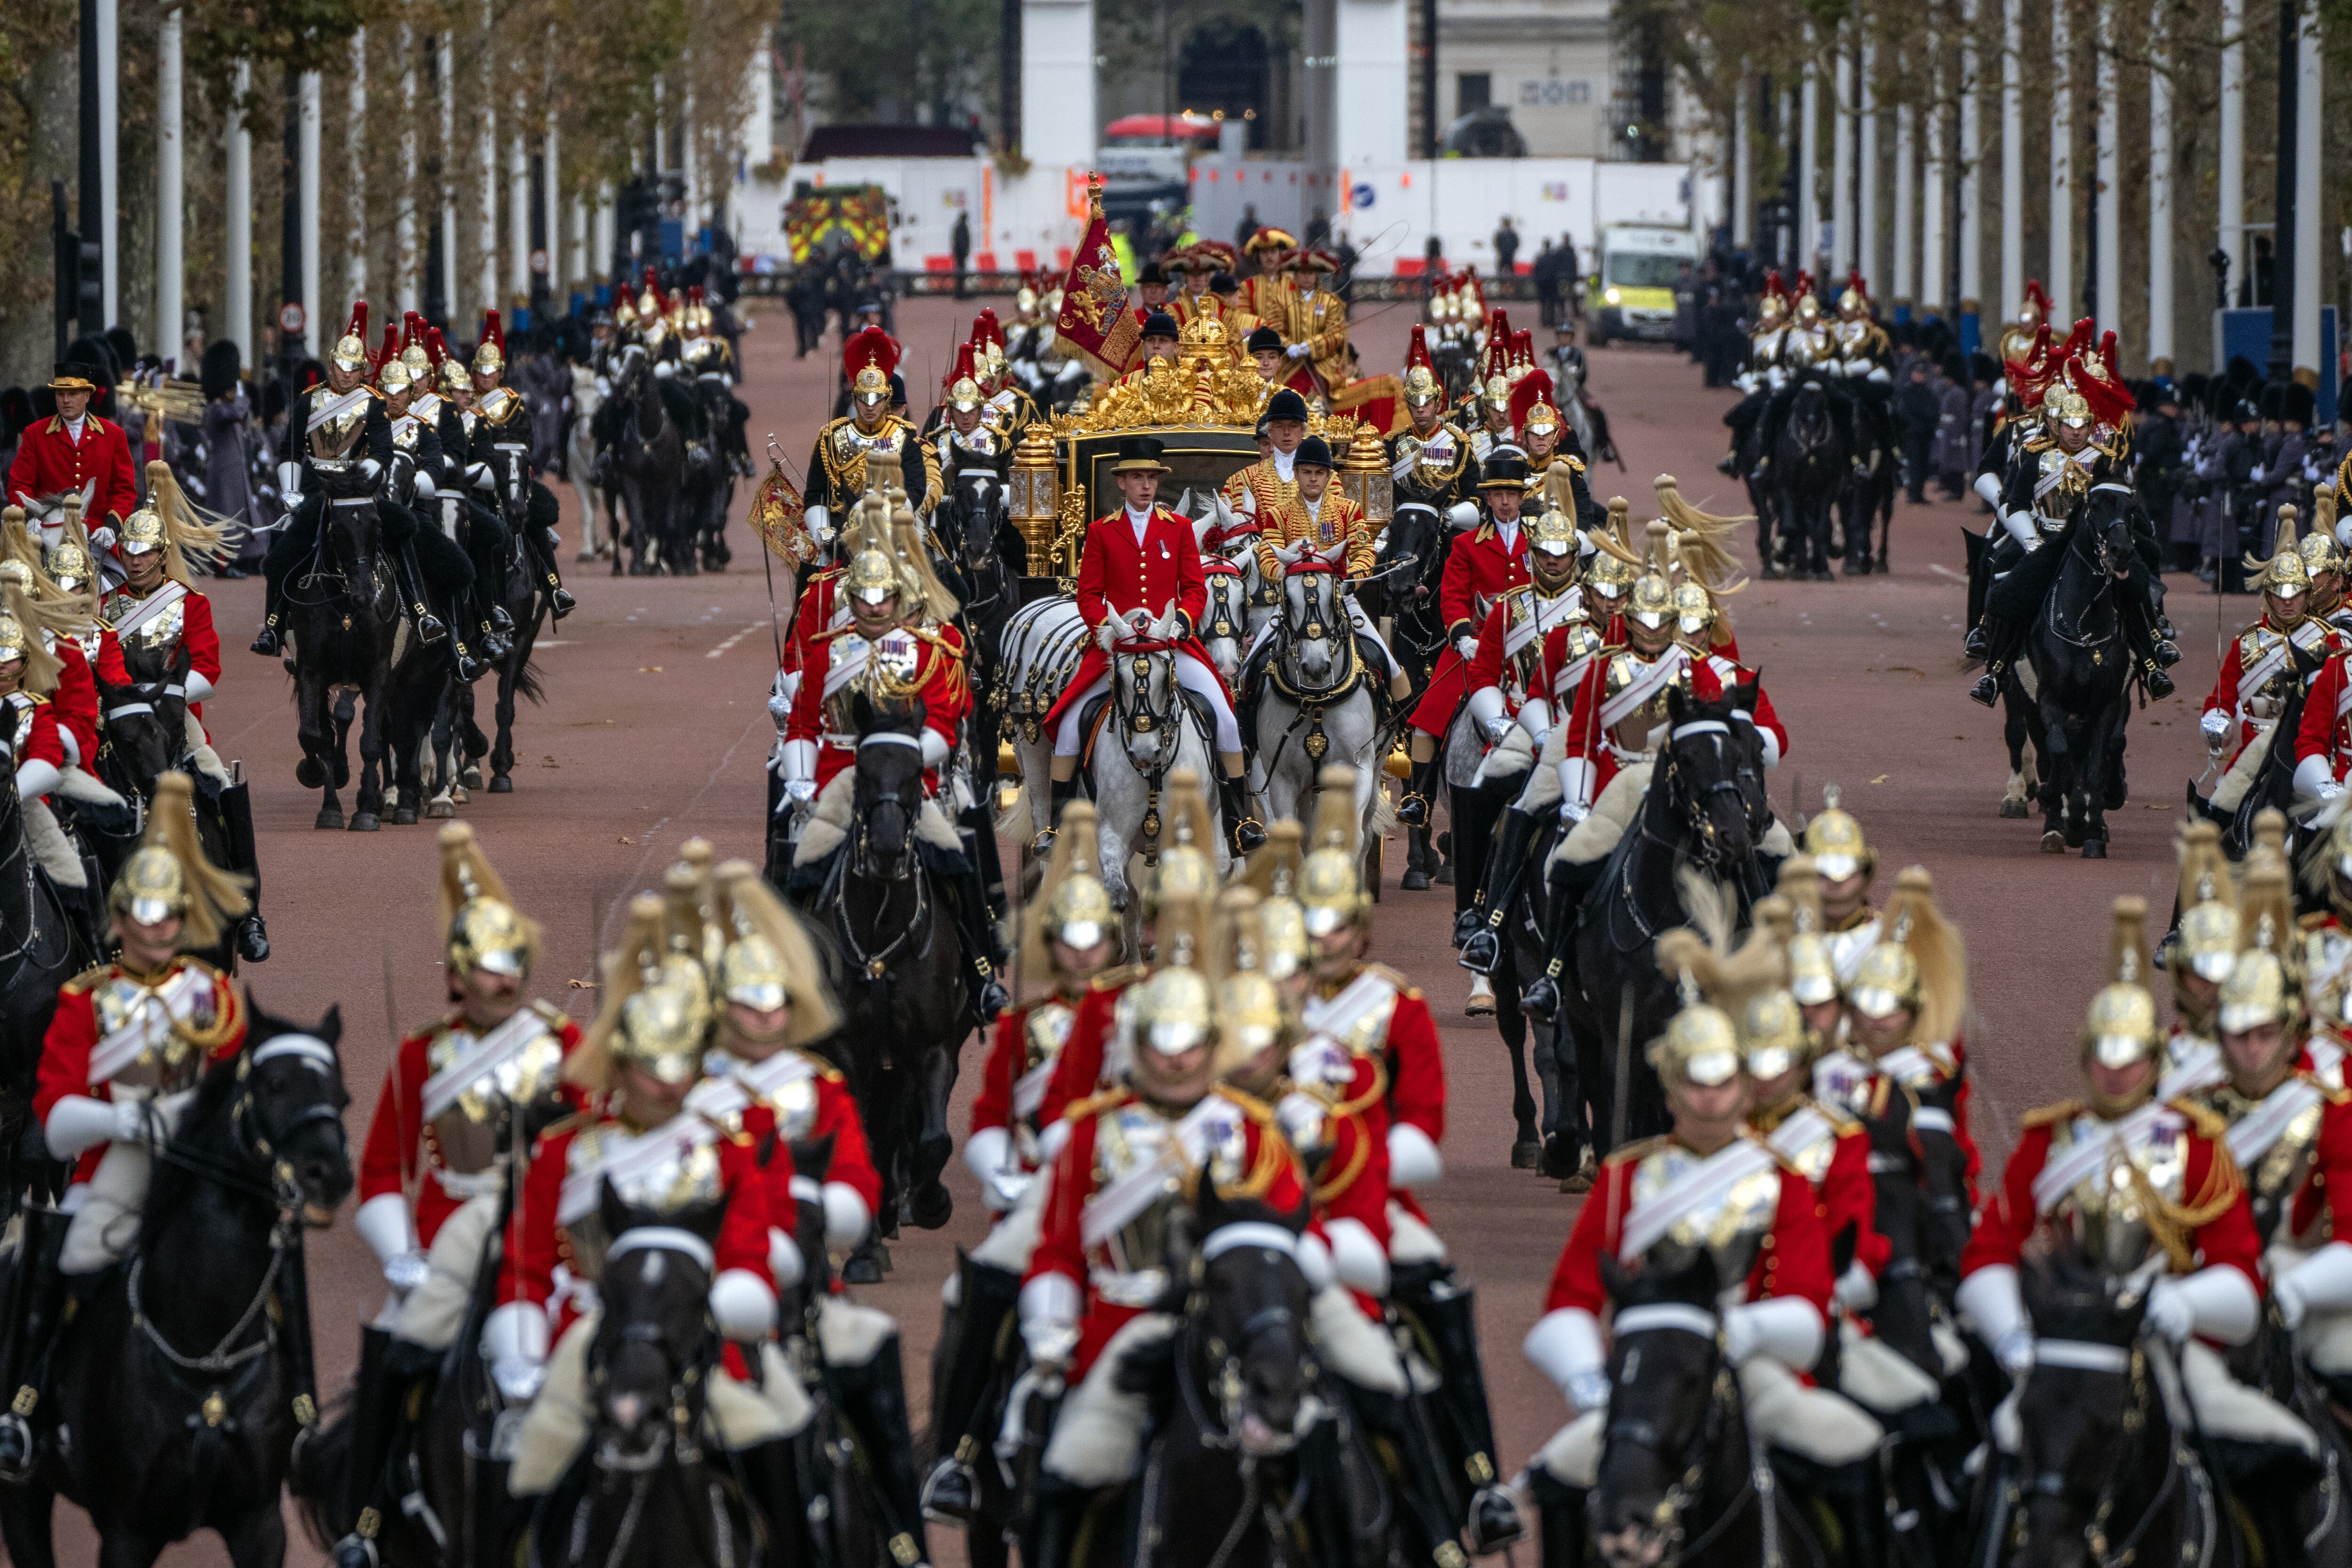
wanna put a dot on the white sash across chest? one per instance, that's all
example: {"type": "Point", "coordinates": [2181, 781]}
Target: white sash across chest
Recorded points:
{"type": "Point", "coordinates": [1701, 1188]}
{"type": "Point", "coordinates": [625, 1157]}
{"type": "Point", "coordinates": [174, 1001]}
{"type": "Point", "coordinates": [1653, 679]}
{"type": "Point", "coordinates": [1187, 1148]}
{"type": "Point", "coordinates": [480, 1054]}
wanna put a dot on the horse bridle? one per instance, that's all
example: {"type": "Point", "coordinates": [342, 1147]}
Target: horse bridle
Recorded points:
{"type": "Point", "coordinates": [1226, 1358]}
{"type": "Point", "coordinates": [1692, 804]}
{"type": "Point", "coordinates": [23, 858]}
{"type": "Point", "coordinates": [687, 1368]}
{"type": "Point", "coordinates": [1691, 1473]}
{"type": "Point", "coordinates": [874, 964]}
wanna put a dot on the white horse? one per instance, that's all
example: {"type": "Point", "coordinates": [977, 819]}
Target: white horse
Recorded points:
{"type": "Point", "coordinates": [580, 463]}
{"type": "Point", "coordinates": [1316, 706]}
{"type": "Point", "coordinates": [1225, 630]}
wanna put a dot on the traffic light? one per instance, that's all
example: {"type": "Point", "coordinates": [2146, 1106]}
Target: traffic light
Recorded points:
{"type": "Point", "coordinates": [81, 274]}
{"type": "Point", "coordinates": [90, 287]}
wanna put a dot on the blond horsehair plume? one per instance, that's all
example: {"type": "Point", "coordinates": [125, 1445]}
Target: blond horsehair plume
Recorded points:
{"type": "Point", "coordinates": [628, 969]}
{"type": "Point", "coordinates": [1617, 538]}
{"type": "Point", "coordinates": [217, 898]}
{"type": "Point", "coordinates": [1912, 918]}
{"type": "Point", "coordinates": [1701, 540]}
{"type": "Point", "coordinates": [747, 906]}
{"type": "Point", "coordinates": [42, 666]}
{"type": "Point", "coordinates": [914, 552]}
{"type": "Point", "coordinates": [188, 533]}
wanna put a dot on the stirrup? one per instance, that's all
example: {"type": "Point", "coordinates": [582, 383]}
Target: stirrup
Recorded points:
{"type": "Point", "coordinates": [1987, 690]}
{"type": "Point", "coordinates": [1414, 809]}
{"type": "Point", "coordinates": [17, 1449]}
{"type": "Point", "coordinates": [559, 601]}
{"type": "Point", "coordinates": [2167, 653]}
{"type": "Point", "coordinates": [1494, 1521]}
{"type": "Point", "coordinates": [951, 1492]}
{"type": "Point", "coordinates": [429, 627]}
{"type": "Point", "coordinates": [1481, 952]}
{"type": "Point", "coordinates": [268, 643]}
{"type": "Point", "coordinates": [1249, 834]}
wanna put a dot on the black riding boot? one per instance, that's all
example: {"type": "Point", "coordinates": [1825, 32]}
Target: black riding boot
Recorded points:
{"type": "Point", "coordinates": [376, 1415]}
{"type": "Point", "coordinates": [1571, 881]}
{"type": "Point", "coordinates": [873, 1397]}
{"type": "Point", "coordinates": [1445, 1311]}
{"type": "Point", "coordinates": [37, 1310]}
{"type": "Point", "coordinates": [429, 627]}
{"type": "Point", "coordinates": [1560, 1514]}
{"type": "Point", "coordinates": [985, 1297]}
{"type": "Point", "coordinates": [1427, 1507]}
{"type": "Point", "coordinates": [1063, 790]}
{"type": "Point", "coordinates": [2000, 652]}
{"type": "Point", "coordinates": [1325, 1515]}
{"type": "Point", "coordinates": [1475, 809]}
{"type": "Point", "coordinates": [540, 542]}
{"type": "Point", "coordinates": [978, 936]}
{"type": "Point", "coordinates": [1481, 950]}
{"type": "Point", "coordinates": [1057, 1514]}
{"type": "Point", "coordinates": [236, 816]}
{"type": "Point", "coordinates": [1857, 1494]}
{"type": "Point", "coordinates": [772, 1477]}
{"type": "Point", "coordinates": [1414, 809]}
{"type": "Point", "coordinates": [1233, 795]}
{"type": "Point", "coordinates": [266, 642]}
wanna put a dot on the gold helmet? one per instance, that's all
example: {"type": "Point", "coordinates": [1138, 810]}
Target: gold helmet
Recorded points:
{"type": "Point", "coordinates": [168, 875]}
{"type": "Point", "coordinates": [1422, 387]}
{"type": "Point", "coordinates": [1812, 972]}
{"type": "Point", "coordinates": [350, 353]}
{"type": "Point", "coordinates": [1919, 967]}
{"type": "Point", "coordinates": [1729, 982]}
{"type": "Point", "coordinates": [1187, 862]}
{"type": "Point", "coordinates": [1613, 569]}
{"type": "Point", "coordinates": [2121, 1027]}
{"type": "Point", "coordinates": [872, 577]}
{"type": "Point", "coordinates": [1330, 887]}
{"type": "Point", "coordinates": [1834, 841]}
{"type": "Point", "coordinates": [1174, 1010]}
{"type": "Point", "coordinates": [142, 531]}
{"type": "Point", "coordinates": [2064, 405]}
{"type": "Point", "coordinates": [1274, 871]}
{"type": "Point", "coordinates": [2320, 553]}
{"type": "Point", "coordinates": [1694, 612]}
{"type": "Point", "coordinates": [1773, 1038]}
{"type": "Point", "coordinates": [624, 308]}
{"type": "Point", "coordinates": [1701, 1046]}
{"type": "Point", "coordinates": [70, 565]}
{"type": "Point", "coordinates": [1651, 601]}
{"type": "Point", "coordinates": [12, 637]}
{"type": "Point", "coordinates": [2284, 575]}
{"type": "Point", "coordinates": [1072, 908]}
{"type": "Point", "coordinates": [2205, 943]}
{"type": "Point", "coordinates": [1551, 531]}
{"type": "Point", "coordinates": [1886, 982]}
{"type": "Point", "coordinates": [395, 378]}
{"type": "Point", "coordinates": [769, 960]}
{"type": "Point", "coordinates": [1497, 392]}
{"type": "Point", "coordinates": [1250, 1014]}
{"type": "Point", "coordinates": [656, 1011]}
{"type": "Point", "coordinates": [2265, 985]}
{"type": "Point", "coordinates": [482, 928]}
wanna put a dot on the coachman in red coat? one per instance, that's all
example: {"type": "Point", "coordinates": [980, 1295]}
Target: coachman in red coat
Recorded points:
{"type": "Point", "coordinates": [1483, 564]}
{"type": "Point", "coordinates": [76, 451]}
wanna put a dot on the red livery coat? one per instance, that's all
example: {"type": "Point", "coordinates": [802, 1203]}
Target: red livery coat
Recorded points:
{"type": "Point", "coordinates": [942, 688]}
{"type": "Point", "coordinates": [1479, 570]}
{"type": "Point", "coordinates": [1118, 574]}
{"type": "Point", "coordinates": [49, 461]}
{"type": "Point", "coordinates": [73, 1034]}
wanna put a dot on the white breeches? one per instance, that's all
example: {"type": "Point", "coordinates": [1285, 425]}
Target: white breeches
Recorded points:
{"type": "Point", "coordinates": [560, 1418]}
{"type": "Point", "coordinates": [1009, 1243]}
{"type": "Point", "coordinates": [1099, 1436]}
{"type": "Point", "coordinates": [1190, 673]}
{"type": "Point", "coordinates": [435, 1312]}
{"type": "Point", "coordinates": [1878, 1378]}
{"type": "Point", "coordinates": [2224, 1407]}
{"type": "Point", "coordinates": [1358, 1349]}
{"type": "Point", "coordinates": [1811, 1422]}
{"type": "Point", "coordinates": [850, 1334]}
{"type": "Point", "coordinates": [2323, 1339]}
{"type": "Point", "coordinates": [107, 1223]}
{"type": "Point", "coordinates": [1410, 1240]}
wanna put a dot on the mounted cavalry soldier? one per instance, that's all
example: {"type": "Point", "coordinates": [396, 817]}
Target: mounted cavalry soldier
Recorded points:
{"type": "Point", "coordinates": [1430, 465]}
{"type": "Point", "coordinates": [634, 1158]}
{"type": "Point", "coordinates": [897, 653]}
{"type": "Point", "coordinates": [1009, 409]}
{"type": "Point", "coordinates": [413, 487]}
{"type": "Point", "coordinates": [1763, 376]}
{"type": "Point", "coordinates": [1140, 583]}
{"type": "Point", "coordinates": [123, 1054]}
{"type": "Point", "coordinates": [2283, 649]}
{"type": "Point", "coordinates": [75, 452]}
{"type": "Point", "coordinates": [462, 1095]}
{"type": "Point", "coordinates": [2143, 1189]}
{"type": "Point", "coordinates": [502, 425]}
{"type": "Point", "coordinates": [342, 446]}
{"type": "Point", "coordinates": [481, 532]}
{"type": "Point", "coordinates": [1069, 933]}
{"type": "Point", "coordinates": [837, 466]}
{"type": "Point", "coordinates": [965, 437]}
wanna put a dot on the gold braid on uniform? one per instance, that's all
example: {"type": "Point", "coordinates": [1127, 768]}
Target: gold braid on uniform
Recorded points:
{"type": "Point", "coordinates": [1274, 1154]}
{"type": "Point", "coordinates": [1325, 1191]}
{"type": "Point", "coordinates": [230, 1019]}
{"type": "Point", "coordinates": [2174, 1225]}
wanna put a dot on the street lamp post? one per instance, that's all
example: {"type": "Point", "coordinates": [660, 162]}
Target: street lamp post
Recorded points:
{"type": "Point", "coordinates": [2283, 282]}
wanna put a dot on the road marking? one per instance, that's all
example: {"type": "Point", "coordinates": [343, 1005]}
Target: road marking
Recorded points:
{"type": "Point", "coordinates": [731, 641]}
{"type": "Point", "coordinates": [1940, 569]}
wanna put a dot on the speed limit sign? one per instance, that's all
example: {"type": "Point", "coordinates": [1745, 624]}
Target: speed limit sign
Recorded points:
{"type": "Point", "coordinates": [539, 261]}
{"type": "Point", "coordinates": [292, 318]}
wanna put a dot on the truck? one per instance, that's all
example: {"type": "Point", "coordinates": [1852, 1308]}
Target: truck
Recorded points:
{"type": "Point", "coordinates": [1631, 293]}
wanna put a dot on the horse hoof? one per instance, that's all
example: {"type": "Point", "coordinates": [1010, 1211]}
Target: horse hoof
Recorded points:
{"type": "Point", "coordinates": [441, 806]}
{"type": "Point", "coordinates": [404, 817]}
{"type": "Point", "coordinates": [330, 819]}
{"type": "Point", "coordinates": [2054, 842]}
{"type": "Point", "coordinates": [1525, 1154]}
{"type": "Point", "coordinates": [1414, 881]}
{"type": "Point", "coordinates": [861, 1268]}
{"type": "Point", "coordinates": [930, 1208]}
{"type": "Point", "coordinates": [364, 823]}
{"type": "Point", "coordinates": [471, 778]}
{"type": "Point", "coordinates": [2095, 849]}
{"type": "Point", "coordinates": [460, 794]}
{"type": "Point", "coordinates": [1444, 875]}
{"type": "Point", "coordinates": [2074, 836]}
{"type": "Point", "coordinates": [310, 774]}
{"type": "Point", "coordinates": [502, 785]}
{"type": "Point", "coordinates": [2013, 808]}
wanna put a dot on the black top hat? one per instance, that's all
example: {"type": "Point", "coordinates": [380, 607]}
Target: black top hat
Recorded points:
{"type": "Point", "coordinates": [1504, 469]}
{"type": "Point", "coordinates": [1138, 454]}
{"type": "Point", "coordinates": [78, 375]}
{"type": "Point", "coordinates": [1315, 450]}
{"type": "Point", "coordinates": [1222, 282]}
{"type": "Point", "coordinates": [1286, 404]}
{"type": "Point", "coordinates": [1151, 273]}
{"type": "Point", "coordinates": [1159, 324]}
{"type": "Point", "coordinates": [1263, 340]}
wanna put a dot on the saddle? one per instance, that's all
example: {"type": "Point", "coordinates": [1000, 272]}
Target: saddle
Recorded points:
{"type": "Point", "coordinates": [1095, 711]}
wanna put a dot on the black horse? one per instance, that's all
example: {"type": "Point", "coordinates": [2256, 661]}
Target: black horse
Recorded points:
{"type": "Point", "coordinates": [982, 550]}
{"type": "Point", "coordinates": [518, 586]}
{"type": "Point", "coordinates": [1401, 596]}
{"type": "Point", "coordinates": [1811, 465]}
{"type": "Point", "coordinates": [343, 607]}
{"type": "Point", "coordinates": [1701, 820]}
{"type": "Point", "coordinates": [1552, 1136]}
{"type": "Point", "coordinates": [902, 986]}
{"type": "Point", "coordinates": [188, 1367]}
{"type": "Point", "coordinates": [38, 953]}
{"type": "Point", "coordinates": [2081, 657]}
{"type": "Point", "coordinates": [1871, 483]}
{"type": "Point", "coordinates": [650, 460]}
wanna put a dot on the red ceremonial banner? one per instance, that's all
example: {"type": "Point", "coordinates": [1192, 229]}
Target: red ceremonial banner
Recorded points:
{"type": "Point", "coordinates": [1095, 324]}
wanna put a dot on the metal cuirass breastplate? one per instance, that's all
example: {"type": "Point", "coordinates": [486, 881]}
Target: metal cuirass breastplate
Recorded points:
{"type": "Point", "coordinates": [2277, 1174]}
{"type": "Point", "coordinates": [1733, 1229]}
{"type": "Point", "coordinates": [468, 1130]}
{"type": "Point", "coordinates": [1126, 1141]}
{"type": "Point", "coordinates": [686, 1176]}
{"type": "Point", "coordinates": [166, 1069]}
{"type": "Point", "coordinates": [2106, 1210]}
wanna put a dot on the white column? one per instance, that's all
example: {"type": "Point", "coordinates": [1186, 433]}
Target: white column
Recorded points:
{"type": "Point", "coordinates": [2068, 301]}
{"type": "Point", "coordinates": [1933, 253]}
{"type": "Point", "coordinates": [2305, 342]}
{"type": "Point", "coordinates": [2109, 197]}
{"type": "Point", "coordinates": [1907, 218]}
{"type": "Point", "coordinates": [689, 152]}
{"type": "Point", "coordinates": [109, 130]}
{"type": "Point", "coordinates": [2232, 167]}
{"type": "Point", "coordinates": [1743, 167]}
{"type": "Point", "coordinates": [171, 194]}
{"type": "Point", "coordinates": [486, 219]}
{"type": "Point", "coordinates": [519, 214]}
{"type": "Point", "coordinates": [1843, 249]}
{"type": "Point", "coordinates": [553, 207]}
{"type": "Point", "coordinates": [1809, 163]}
{"type": "Point", "coordinates": [1374, 49]}
{"type": "Point", "coordinates": [449, 181]}
{"type": "Point", "coordinates": [2012, 162]}
{"type": "Point", "coordinates": [602, 241]}
{"type": "Point", "coordinates": [237, 315]}
{"type": "Point", "coordinates": [1866, 238]}
{"type": "Point", "coordinates": [1972, 177]}
{"type": "Point", "coordinates": [1318, 56]}
{"type": "Point", "coordinates": [314, 309]}
{"type": "Point", "coordinates": [355, 267]}
{"type": "Point", "coordinates": [2159, 211]}
{"type": "Point", "coordinates": [404, 258]}
{"type": "Point", "coordinates": [578, 272]}
{"type": "Point", "coordinates": [1058, 83]}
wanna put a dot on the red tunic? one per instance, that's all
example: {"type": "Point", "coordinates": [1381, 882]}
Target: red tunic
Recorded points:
{"type": "Point", "coordinates": [76, 698]}
{"type": "Point", "coordinates": [1479, 570]}
{"type": "Point", "coordinates": [1795, 1260]}
{"type": "Point", "coordinates": [37, 736]}
{"type": "Point", "coordinates": [536, 1243]}
{"type": "Point", "coordinates": [851, 1164]}
{"type": "Point", "coordinates": [2327, 725]}
{"type": "Point", "coordinates": [1848, 1195]}
{"type": "Point", "coordinates": [1587, 739]}
{"type": "Point", "coordinates": [1008, 1058]}
{"type": "Point", "coordinates": [941, 687]}
{"type": "Point", "coordinates": [810, 617]}
{"type": "Point", "coordinates": [1079, 1069]}
{"type": "Point", "coordinates": [1117, 575]}
{"type": "Point", "coordinates": [2008, 1217]}
{"type": "Point", "coordinates": [2224, 699]}
{"type": "Point", "coordinates": [1061, 1244]}
{"type": "Point", "coordinates": [1730, 672]}
{"type": "Point", "coordinates": [196, 630]}
{"type": "Point", "coordinates": [50, 463]}
{"type": "Point", "coordinates": [1487, 664]}
{"type": "Point", "coordinates": [73, 1034]}
{"type": "Point", "coordinates": [401, 1149]}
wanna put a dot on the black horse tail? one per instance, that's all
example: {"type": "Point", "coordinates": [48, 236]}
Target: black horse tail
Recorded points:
{"type": "Point", "coordinates": [320, 1465]}
{"type": "Point", "coordinates": [527, 683]}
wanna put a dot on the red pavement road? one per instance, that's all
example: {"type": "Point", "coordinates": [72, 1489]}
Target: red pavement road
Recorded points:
{"type": "Point", "coordinates": [654, 728]}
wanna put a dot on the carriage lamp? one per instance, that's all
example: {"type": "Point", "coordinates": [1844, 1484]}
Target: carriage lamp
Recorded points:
{"type": "Point", "coordinates": [1034, 504]}
{"type": "Point", "coordinates": [1364, 477]}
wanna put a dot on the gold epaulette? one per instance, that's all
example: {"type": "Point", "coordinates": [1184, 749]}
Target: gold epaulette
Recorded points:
{"type": "Point", "coordinates": [36, 698]}
{"type": "Point", "coordinates": [2333, 1096]}
{"type": "Point", "coordinates": [1256, 1109]}
{"type": "Point", "coordinates": [1124, 975]}
{"type": "Point", "coordinates": [830, 632]}
{"type": "Point", "coordinates": [1095, 1104]}
{"type": "Point", "coordinates": [1836, 1116]}
{"type": "Point", "coordinates": [86, 981]}
{"type": "Point", "coordinates": [2051, 1115]}
{"type": "Point", "coordinates": [939, 641]}
{"type": "Point", "coordinates": [829, 1074]}
{"type": "Point", "coordinates": [2208, 1124]}
{"type": "Point", "coordinates": [827, 575]}
{"type": "Point", "coordinates": [1396, 977]}
{"type": "Point", "coordinates": [1639, 1150]}
{"type": "Point", "coordinates": [1780, 1159]}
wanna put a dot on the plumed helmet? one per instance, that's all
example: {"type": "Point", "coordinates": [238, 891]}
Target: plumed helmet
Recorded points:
{"type": "Point", "coordinates": [351, 351]}
{"type": "Point", "coordinates": [1550, 532]}
{"type": "Point", "coordinates": [1835, 841]}
{"type": "Point", "coordinates": [1651, 601]}
{"type": "Point", "coordinates": [482, 928]}
{"type": "Point", "coordinates": [769, 959]}
{"type": "Point", "coordinates": [1701, 1046]}
{"type": "Point", "coordinates": [490, 353]}
{"type": "Point", "coordinates": [168, 875]}
{"type": "Point", "coordinates": [1773, 1038]}
{"type": "Point", "coordinates": [1187, 864]}
{"type": "Point", "coordinates": [394, 378]}
{"type": "Point", "coordinates": [872, 577]}
{"type": "Point", "coordinates": [1330, 885]}
{"type": "Point", "coordinates": [2121, 1027]}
